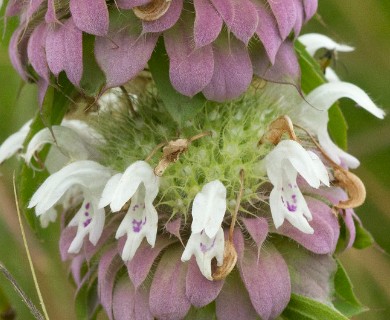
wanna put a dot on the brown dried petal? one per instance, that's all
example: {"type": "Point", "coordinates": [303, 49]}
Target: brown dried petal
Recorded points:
{"type": "Point", "coordinates": [152, 11]}
{"type": "Point", "coordinates": [352, 185]}
{"type": "Point", "coordinates": [276, 130]}
{"type": "Point", "coordinates": [229, 261]}
{"type": "Point", "coordinates": [171, 153]}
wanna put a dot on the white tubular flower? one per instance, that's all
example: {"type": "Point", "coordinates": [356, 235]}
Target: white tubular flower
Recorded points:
{"type": "Point", "coordinates": [65, 139]}
{"type": "Point", "coordinates": [14, 142]}
{"type": "Point", "coordinates": [207, 238]}
{"type": "Point", "coordinates": [73, 140]}
{"type": "Point", "coordinates": [316, 119]}
{"type": "Point", "coordinates": [140, 184]}
{"type": "Point", "coordinates": [316, 41]}
{"type": "Point", "coordinates": [286, 200]}
{"type": "Point", "coordinates": [91, 178]}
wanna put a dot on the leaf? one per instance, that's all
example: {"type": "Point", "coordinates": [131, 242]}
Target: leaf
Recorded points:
{"type": "Point", "coordinates": [87, 301]}
{"type": "Point", "coordinates": [363, 238]}
{"type": "Point", "coordinates": [180, 107]}
{"type": "Point", "coordinates": [302, 308]}
{"type": "Point", "coordinates": [337, 126]}
{"type": "Point", "coordinates": [52, 111]}
{"type": "Point", "coordinates": [93, 78]}
{"type": "Point", "coordinates": [312, 77]}
{"type": "Point", "coordinates": [346, 301]}
{"type": "Point", "coordinates": [207, 312]}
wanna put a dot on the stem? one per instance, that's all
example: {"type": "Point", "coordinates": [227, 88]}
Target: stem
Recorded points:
{"type": "Point", "coordinates": [129, 103]}
{"type": "Point", "coordinates": [200, 135]}
{"type": "Point", "coordinates": [234, 217]}
{"type": "Point", "coordinates": [156, 148]}
{"type": "Point", "coordinates": [34, 310]}
{"type": "Point", "coordinates": [46, 316]}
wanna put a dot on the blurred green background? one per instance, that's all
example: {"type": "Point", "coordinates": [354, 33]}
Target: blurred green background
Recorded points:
{"type": "Point", "coordinates": [364, 24]}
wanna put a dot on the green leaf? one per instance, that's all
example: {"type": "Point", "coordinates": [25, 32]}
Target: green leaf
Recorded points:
{"type": "Point", "coordinates": [312, 77]}
{"type": "Point", "coordinates": [207, 312]}
{"type": "Point", "coordinates": [52, 111]}
{"type": "Point", "coordinates": [302, 308]}
{"type": "Point", "coordinates": [363, 238]}
{"type": "Point", "coordinates": [337, 126]}
{"type": "Point", "coordinates": [180, 107]}
{"type": "Point", "coordinates": [346, 301]}
{"type": "Point", "coordinates": [86, 301]}
{"type": "Point", "coordinates": [93, 78]}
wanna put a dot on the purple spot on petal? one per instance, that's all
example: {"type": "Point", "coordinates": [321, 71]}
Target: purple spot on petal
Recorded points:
{"type": "Point", "coordinates": [294, 198]}
{"type": "Point", "coordinates": [290, 185]}
{"type": "Point", "coordinates": [86, 213]}
{"type": "Point", "coordinates": [137, 225]}
{"type": "Point", "coordinates": [87, 222]}
{"type": "Point", "coordinates": [291, 207]}
{"type": "Point", "coordinates": [204, 247]}
{"type": "Point", "coordinates": [87, 205]}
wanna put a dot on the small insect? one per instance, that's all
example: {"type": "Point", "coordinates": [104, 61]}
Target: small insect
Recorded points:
{"type": "Point", "coordinates": [327, 58]}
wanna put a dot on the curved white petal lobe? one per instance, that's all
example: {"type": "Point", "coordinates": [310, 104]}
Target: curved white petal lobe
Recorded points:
{"type": "Point", "coordinates": [109, 190]}
{"type": "Point", "coordinates": [14, 142]}
{"type": "Point", "coordinates": [140, 222]}
{"type": "Point", "coordinates": [137, 173]}
{"type": "Point", "coordinates": [324, 96]}
{"type": "Point", "coordinates": [65, 139]}
{"type": "Point", "coordinates": [316, 41]}
{"type": "Point", "coordinates": [205, 249]}
{"type": "Point", "coordinates": [90, 175]}
{"type": "Point", "coordinates": [283, 164]}
{"type": "Point", "coordinates": [209, 208]}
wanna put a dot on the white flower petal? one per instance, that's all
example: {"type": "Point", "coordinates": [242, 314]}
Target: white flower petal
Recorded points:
{"type": "Point", "coordinates": [205, 249]}
{"type": "Point", "coordinates": [136, 173]}
{"type": "Point", "coordinates": [209, 208]}
{"type": "Point", "coordinates": [140, 222]}
{"type": "Point", "coordinates": [47, 217]}
{"type": "Point", "coordinates": [290, 151]}
{"type": "Point", "coordinates": [331, 75]}
{"type": "Point", "coordinates": [315, 119]}
{"type": "Point", "coordinates": [319, 168]}
{"type": "Point", "coordinates": [109, 191]}
{"type": "Point", "coordinates": [324, 96]}
{"type": "Point", "coordinates": [14, 142]}
{"type": "Point", "coordinates": [89, 175]}
{"type": "Point", "coordinates": [338, 155]}
{"type": "Point", "coordinates": [66, 140]}
{"type": "Point", "coordinates": [315, 41]}
{"type": "Point", "coordinates": [283, 164]}
{"type": "Point", "coordinates": [89, 220]}
{"type": "Point", "coordinates": [55, 160]}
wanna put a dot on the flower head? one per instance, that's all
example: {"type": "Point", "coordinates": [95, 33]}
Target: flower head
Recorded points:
{"type": "Point", "coordinates": [286, 200]}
